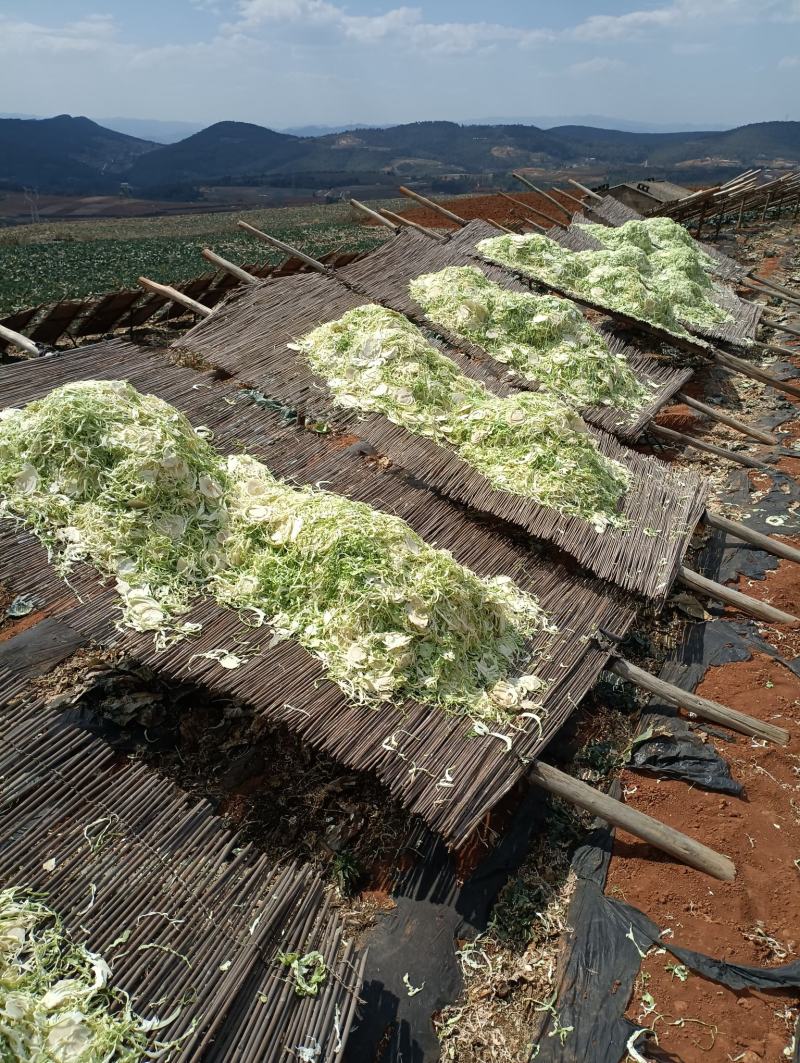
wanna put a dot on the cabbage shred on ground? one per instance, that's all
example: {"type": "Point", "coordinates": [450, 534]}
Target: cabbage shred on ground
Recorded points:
{"type": "Point", "coordinates": [656, 277]}
{"type": "Point", "coordinates": [543, 337]}
{"type": "Point", "coordinates": [530, 444]}
{"type": "Point", "coordinates": [55, 1001]}
{"type": "Point", "coordinates": [103, 473]}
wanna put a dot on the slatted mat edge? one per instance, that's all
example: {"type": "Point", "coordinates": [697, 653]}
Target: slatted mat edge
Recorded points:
{"type": "Point", "coordinates": [202, 914]}
{"type": "Point", "coordinates": [284, 681]}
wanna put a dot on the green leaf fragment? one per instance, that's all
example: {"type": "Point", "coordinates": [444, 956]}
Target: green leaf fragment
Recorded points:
{"type": "Point", "coordinates": [309, 971]}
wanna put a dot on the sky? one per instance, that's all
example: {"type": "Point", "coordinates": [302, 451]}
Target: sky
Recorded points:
{"type": "Point", "coordinates": [285, 63]}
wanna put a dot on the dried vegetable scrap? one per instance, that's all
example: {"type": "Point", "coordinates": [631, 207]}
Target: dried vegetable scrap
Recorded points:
{"type": "Point", "coordinates": [56, 1004]}
{"type": "Point", "coordinates": [102, 473]}
{"type": "Point", "coordinates": [543, 337]}
{"type": "Point", "coordinates": [533, 445]}
{"type": "Point", "coordinates": [645, 272]}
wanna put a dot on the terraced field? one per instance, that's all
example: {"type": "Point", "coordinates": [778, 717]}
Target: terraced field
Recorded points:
{"type": "Point", "coordinates": [74, 259]}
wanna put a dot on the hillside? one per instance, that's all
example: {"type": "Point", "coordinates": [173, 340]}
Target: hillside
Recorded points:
{"type": "Point", "coordinates": [65, 154]}
{"type": "Point", "coordinates": [76, 155]}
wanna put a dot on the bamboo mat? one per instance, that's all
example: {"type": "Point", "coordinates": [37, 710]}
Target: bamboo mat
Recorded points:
{"type": "Point", "coordinates": [188, 916]}
{"type": "Point", "coordinates": [385, 275]}
{"type": "Point", "coordinates": [745, 315]}
{"type": "Point", "coordinates": [248, 338]}
{"type": "Point", "coordinates": [412, 748]}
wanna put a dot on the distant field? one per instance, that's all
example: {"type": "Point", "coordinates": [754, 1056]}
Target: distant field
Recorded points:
{"type": "Point", "coordinates": [75, 259]}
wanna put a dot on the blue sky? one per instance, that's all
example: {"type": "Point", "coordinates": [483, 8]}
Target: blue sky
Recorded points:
{"type": "Point", "coordinates": [295, 62]}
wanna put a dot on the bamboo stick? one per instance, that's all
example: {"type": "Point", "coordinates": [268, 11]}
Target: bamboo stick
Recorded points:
{"type": "Point", "coordinates": [229, 267]}
{"type": "Point", "coordinates": [769, 283]}
{"type": "Point", "coordinates": [10, 336]}
{"type": "Point", "coordinates": [503, 228]}
{"type": "Point", "coordinates": [725, 418]}
{"type": "Point", "coordinates": [583, 188]}
{"type": "Point", "coordinates": [534, 210]}
{"type": "Point", "coordinates": [535, 224]}
{"type": "Point", "coordinates": [702, 707]}
{"type": "Point", "coordinates": [680, 438]}
{"type": "Point", "coordinates": [369, 213]}
{"type": "Point", "coordinates": [168, 292]}
{"type": "Point", "coordinates": [750, 535]}
{"type": "Point", "coordinates": [650, 830]}
{"type": "Point", "coordinates": [433, 206]}
{"type": "Point", "coordinates": [744, 602]}
{"type": "Point", "coordinates": [738, 365]}
{"type": "Point", "coordinates": [408, 223]}
{"type": "Point", "coordinates": [287, 249]}
{"type": "Point", "coordinates": [541, 192]}
{"type": "Point", "coordinates": [792, 301]}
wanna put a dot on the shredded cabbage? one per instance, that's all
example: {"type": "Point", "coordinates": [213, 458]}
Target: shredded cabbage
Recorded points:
{"type": "Point", "coordinates": [664, 283]}
{"type": "Point", "coordinates": [543, 337]}
{"type": "Point", "coordinates": [56, 1005]}
{"type": "Point", "coordinates": [531, 444]}
{"type": "Point", "coordinates": [102, 472]}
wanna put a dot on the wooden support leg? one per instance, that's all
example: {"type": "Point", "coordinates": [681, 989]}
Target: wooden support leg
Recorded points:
{"type": "Point", "coordinates": [683, 440]}
{"type": "Point", "coordinates": [749, 535]}
{"type": "Point", "coordinates": [659, 835]}
{"type": "Point", "coordinates": [743, 602]}
{"type": "Point", "coordinates": [702, 707]}
{"type": "Point", "coordinates": [725, 418]}
{"type": "Point", "coordinates": [739, 365]}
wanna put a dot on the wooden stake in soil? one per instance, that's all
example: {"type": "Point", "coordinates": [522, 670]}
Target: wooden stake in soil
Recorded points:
{"type": "Point", "coordinates": [702, 707]}
{"type": "Point", "coordinates": [168, 292]}
{"type": "Point", "coordinates": [779, 326]}
{"type": "Point", "coordinates": [409, 224]}
{"type": "Point", "coordinates": [356, 204]}
{"type": "Point", "coordinates": [10, 336]}
{"type": "Point", "coordinates": [679, 438]}
{"type": "Point", "coordinates": [583, 188]}
{"type": "Point", "coordinates": [287, 249]}
{"type": "Point", "coordinates": [743, 602]}
{"type": "Point", "coordinates": [534, 210]}
{"type": "Point", "coordinates": [739, 365]}
{"type": "Point", "coordinates": [433, 206]}
{"type": "Point", "coordinates": [749, 535]}
{"type": "Point", "coordinates": [229, 267]}
{"type": "Point", "coordinates": [725, 418]}
{"type": "Point", "coordinates": [659, 835]}
{"type": "Point", "coordinates": [546, 195]}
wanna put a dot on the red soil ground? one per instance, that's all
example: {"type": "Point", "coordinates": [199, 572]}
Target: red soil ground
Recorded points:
{"type": "Point", "coordinates": [494, 208]}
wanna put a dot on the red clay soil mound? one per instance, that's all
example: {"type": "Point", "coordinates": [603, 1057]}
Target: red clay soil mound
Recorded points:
{"type": "Point", "coordinates": [493, 207]}
{"type": "Point", "coordinates": [754, 920]}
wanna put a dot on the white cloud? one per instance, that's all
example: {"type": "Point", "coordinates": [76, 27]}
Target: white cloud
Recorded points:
{"type": "Point", "coordinates": [85, 35]}
{"type": "Point", "coordinates": [599, 65]}
{"type": "Point", "coordinates": [789, 62]}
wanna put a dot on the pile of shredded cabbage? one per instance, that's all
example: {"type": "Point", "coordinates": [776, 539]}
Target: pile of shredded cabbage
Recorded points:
{"type": "Point", "coordinates": [103, 473]}
{"type": "Point", "coordinates": [544, 338]}
{"type": "Point", "coordinates": [56, 1005]}
{"type": "Point", "coordinates": [530, 444]}
{"type": "Point", "coordinates": [666, 286]}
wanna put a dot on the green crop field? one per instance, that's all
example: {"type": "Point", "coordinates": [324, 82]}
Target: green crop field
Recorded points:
{"type": "Point", "coordinates": [49, 261]}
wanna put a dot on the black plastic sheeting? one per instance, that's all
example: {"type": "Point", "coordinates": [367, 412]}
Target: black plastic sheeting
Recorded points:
{"type": "Point", "coordinates": [417, 939]}
{"type": "Point", "coordinates": [598, 975]}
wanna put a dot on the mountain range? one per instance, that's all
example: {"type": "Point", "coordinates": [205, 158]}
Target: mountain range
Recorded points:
{"type": "Point", "coordinates": [76, 155]}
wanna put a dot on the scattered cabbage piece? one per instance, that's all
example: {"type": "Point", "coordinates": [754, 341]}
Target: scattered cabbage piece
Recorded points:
{"type": "Point", "coordinates": [123, 481]}
{"type": "Point", "coordinates": [530, 444]}
{"type": "Point", "coordinates": [543, 337]}
{"type": "Point", "coordinates": [309, 971]}
{"type": "Point", "coordinates": [643, 271]}
{"type": "Point", "coordinates": [56, 1005]}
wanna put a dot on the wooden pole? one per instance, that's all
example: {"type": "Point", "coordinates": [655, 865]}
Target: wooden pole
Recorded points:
{"type": "Point", "coordinates": [588, 191]}
{"type": "Point", "coordinates": [541, 192]}
{"type": "Point", "coordinates": [702, 707]}
{"type": "Point", "coordinates": [655, 833]}
{"type": "Point", "coordinates": [775, 347]}
{"type": "Point", "coordinates": [408, 223]}
{"type": "Point", "coordinates": [433, 206]}
{"type": "Point", "coordinates": [791, 300]}
{"type": "Point", "coordinates": [743, 602]}
{"type": "Point", "coordinates": [10, 336]}
{"type": "Point", "coordinates": [168, 292]}
{"type": "Point", "coordinates": [356, 204]}
{"type": "Point", "coordinates": [534, 210]}
{"type": "Point", "coordinates": [738, 365]}
{"type": "Point", "coordinates": [572, 199]}
{"type": "Point", "coordinates": [725, 418]}
{"type": "Point", "coordinates": [287, 249]}
{"type": "Point", "coordinates": [681, 439]}
{"type": "Point", "coordinates": [779, 326]}
{"type": "Point", "coordinates": [229, 267]}
{"type": "Point", "coordinates": [503, 228]}
{"type": "Point", "coordinates": [769, 283]}
{"type": "Point", "coordinates": [750, 535]}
